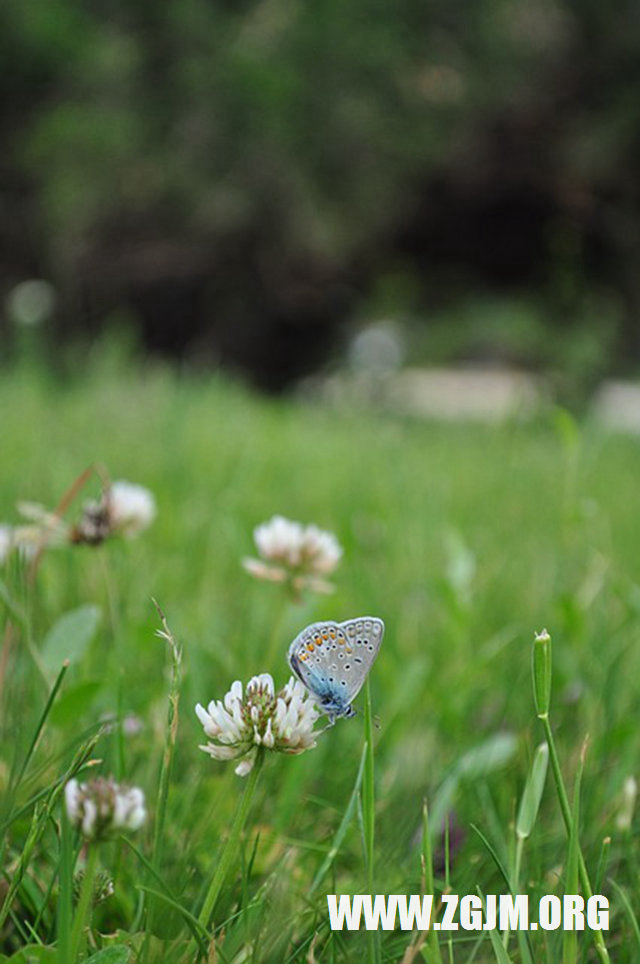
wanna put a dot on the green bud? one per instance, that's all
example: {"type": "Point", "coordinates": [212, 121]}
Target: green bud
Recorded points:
{"type": "Point", "coordinates": [542, 673]}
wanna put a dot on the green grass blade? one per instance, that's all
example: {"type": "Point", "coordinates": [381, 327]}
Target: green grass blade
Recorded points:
{"type": "Point", "coordinates": [199, 933]}
{"type": "Point", "coordinates": [501, 955]}
{"type": "Point", "coordinates": [532, 794]}
{"type": "Point", "coordinates": [433, 942]}
{"type": "Point", "coordinates": [65, 897]}
{"type": "Point", "coordinates": [40, 726]}
{"type": "Point", "coordinates": [570, 937]}
{"type": "Point", "coordinates": [631, 914]}
{"type": "Point", "coordinates": [496, 859]}
{"type": "Point", "coordinates": [41, 816]}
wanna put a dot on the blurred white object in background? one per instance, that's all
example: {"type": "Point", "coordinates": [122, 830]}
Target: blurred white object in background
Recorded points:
{"type": "Point", "coordinates": [378, 349]}
{"type": "Point", "coordinates": [31, 303]}
{"type": "Point", "coordinates": [616, 405]}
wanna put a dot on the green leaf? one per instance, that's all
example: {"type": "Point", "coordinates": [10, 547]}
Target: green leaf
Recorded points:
{"type": "Point", "coordinates": [476, 763]}
{"type": "Point", "coordinates": [117, 954]}
{"type": "Point", "coordinates": [69, 638]}
{"type": "Point", "coordinates": [75, 702]}
{"type": "Point", "coordinates": [34, 954]}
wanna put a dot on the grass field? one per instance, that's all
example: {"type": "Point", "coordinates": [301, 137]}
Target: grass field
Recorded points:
{"type": "Point", "coordinates": [464, 539]}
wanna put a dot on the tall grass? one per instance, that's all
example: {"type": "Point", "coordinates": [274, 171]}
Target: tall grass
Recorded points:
{"type": "Point", "coordinates": [464, 539]}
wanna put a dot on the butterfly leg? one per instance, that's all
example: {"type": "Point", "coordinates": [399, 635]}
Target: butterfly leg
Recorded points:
{"type": "Point", "coordinates": [331, 722]}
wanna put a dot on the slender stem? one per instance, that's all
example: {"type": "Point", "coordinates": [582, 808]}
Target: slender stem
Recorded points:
{"type": "Point", "coordinates": [58, 513]}
{"type": "Point", "coordinates": [369, 816]}
{"type": "Point", "coordinates": [151, 903]}
{"type": "Point", "coordinates": [603, 954]}
{"type": "Point", "coordinates": [368, 793]}
{"type": "Point", "coordinates": [170, 740]}
{"type": "Point", "coordinates": [83, 910]}
{"type": "Point", "coordinates": [231, 845]}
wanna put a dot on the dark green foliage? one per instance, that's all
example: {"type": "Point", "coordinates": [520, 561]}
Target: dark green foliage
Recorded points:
{"type": "Point", "coordinates": [218, 171]}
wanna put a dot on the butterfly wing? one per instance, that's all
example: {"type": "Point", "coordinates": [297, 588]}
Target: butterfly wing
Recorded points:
{"type": "Point", "coordinates": [332, 660]}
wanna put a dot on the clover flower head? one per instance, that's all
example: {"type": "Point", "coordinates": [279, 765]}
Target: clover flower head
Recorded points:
{"type": "Point", "coordinates": [258, 717]}
{"type": "Point", "coordinates": [123, 509]}
{"type": "Point", "coordinates": [280, 540]}
{"type": "Point", "coordinates": [295, 553]}
{"type": "Point", "coordinates": [43, 528]}
{"type": "Point", "coordinates": [26, 539]}
{"type": "Point", "coordinates": [321, 551]}
{"type": "Point", "coordinates": [132, 508]}
{"type": "Point", "coordinates": [102, 808]}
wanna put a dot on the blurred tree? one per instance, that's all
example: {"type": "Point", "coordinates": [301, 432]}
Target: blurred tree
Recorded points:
{"type": "Point", "coordinates": [237, 175]}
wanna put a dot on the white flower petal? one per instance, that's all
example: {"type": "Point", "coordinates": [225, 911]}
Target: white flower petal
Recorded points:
{"type": "Point", "coordinates": [131, 507]}
{"type": "Point", "coordinates": [72, 800]}
{"type": "Point", "coordinates": [245, 767]}
{"type": "Point", "coordinates": [268, 739]}
{"type": "Point", "coordinates": [90, 813]}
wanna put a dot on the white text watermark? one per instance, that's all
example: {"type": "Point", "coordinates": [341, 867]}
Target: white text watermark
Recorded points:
{"type": "Point", "coordinates": [467, 912]}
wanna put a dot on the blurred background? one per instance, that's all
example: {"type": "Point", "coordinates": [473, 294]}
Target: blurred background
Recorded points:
{"type": "Point", "coordinates": [279, 188]}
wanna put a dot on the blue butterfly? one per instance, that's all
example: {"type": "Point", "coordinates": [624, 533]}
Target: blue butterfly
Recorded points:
{"type": "Point", "coordinates": [332, 660]}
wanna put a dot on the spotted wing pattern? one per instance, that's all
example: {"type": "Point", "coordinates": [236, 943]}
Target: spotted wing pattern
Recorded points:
{"type": "Point", "coordinates": [333, 659]}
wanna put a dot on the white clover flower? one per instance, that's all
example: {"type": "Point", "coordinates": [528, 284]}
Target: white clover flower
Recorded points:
{"type": "Point", "coordinates": [44, 528]}
{"type": "Point", "coordinates": [102, 808]}
{"type": "Point", "coordinates": [26, 539]}
{"type": "Point", "coordinates": [241, 723]}
{"type": "Point", "coordinates": [124, 509]}
{"type": "Point", "coordinates": [295, 553]}
{"type": "Point", "coordinates": [321, 551]}
{"type": "Point", "coordinates": [131, 507]}
{"type": "Point", "coordinates": [280, 540]}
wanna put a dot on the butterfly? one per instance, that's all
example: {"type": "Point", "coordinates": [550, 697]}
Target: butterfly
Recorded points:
{"type": "Point", "coordinates": [332, 660]}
